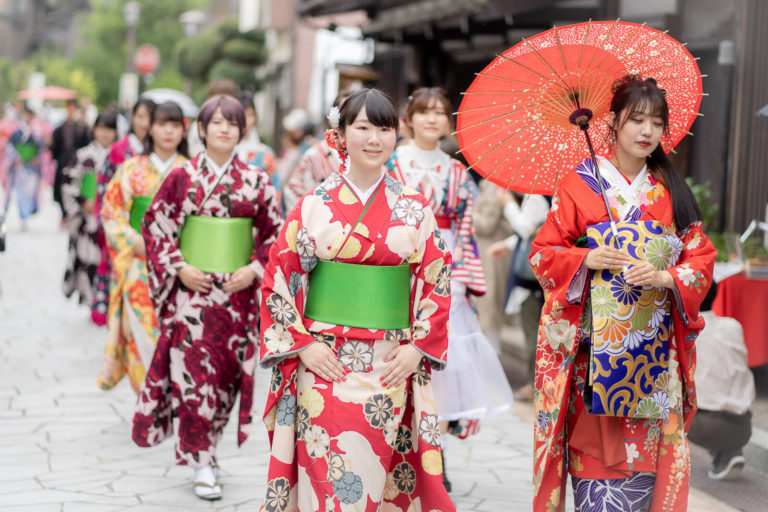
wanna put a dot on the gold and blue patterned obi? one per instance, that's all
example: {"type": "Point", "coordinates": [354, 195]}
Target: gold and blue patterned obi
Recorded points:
{"type": "Point", "coordinates": [630, 326]}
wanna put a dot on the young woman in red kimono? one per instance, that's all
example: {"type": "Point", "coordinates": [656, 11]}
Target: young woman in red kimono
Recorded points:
{"type": "Point", "coordinates": [474, 386]}
{"type": "Point", "coordinates": [205, 292]}
{"type": "Point", "coordinates": [122, 150]}
{"type": "Point", "coordinates": [618, 463]}
{"type": "Point", "coordinates": [351, 414]}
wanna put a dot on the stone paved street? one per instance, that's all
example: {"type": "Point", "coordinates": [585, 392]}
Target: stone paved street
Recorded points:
{"type": "Point", "coordinates": [66, 444]}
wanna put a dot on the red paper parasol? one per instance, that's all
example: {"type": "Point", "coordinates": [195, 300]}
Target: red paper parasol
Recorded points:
{"type": "Point", "coordinates": [49, 93]}
{"type": "Point", "coordinates": [515, 125]}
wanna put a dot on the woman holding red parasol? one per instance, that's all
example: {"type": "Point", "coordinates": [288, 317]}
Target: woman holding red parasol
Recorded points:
{"type": "Point", "coordinates": [623, 263]}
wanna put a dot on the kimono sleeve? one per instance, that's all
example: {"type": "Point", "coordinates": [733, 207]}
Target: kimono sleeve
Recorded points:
{"type": "Point", "coordinates": [556, 261]}
{"type": "Point", "coordinates": [266, 225]}
{"type": "Point", "coordinates": [693, 275]}
{"type": "Point", "coordinates": [160, 228]}
{"type": "Point", "coordinates": [115, 216]}
{"type": "Point", "coordinates": [431, 293]}
{"type": "Point", "coordinates": [467, 267]}
{"type": "Point", "coordinates": [282, 292]}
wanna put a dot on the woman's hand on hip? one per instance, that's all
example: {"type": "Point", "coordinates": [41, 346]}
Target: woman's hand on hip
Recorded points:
{"type": "Point", "coordinates": [322, 361]}
{"type": "Point", "coordinates": [194, 279]}
{"type": "Point", "coordinates": [605, 257]}
{"type": "Point", "coordinates": [240, 280]}
{"type": "Point", "coordinates": [644, 274]}
{"type": "Point", "coordinates": [403, 362]}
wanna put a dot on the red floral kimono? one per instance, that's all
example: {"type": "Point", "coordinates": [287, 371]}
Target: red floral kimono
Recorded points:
{"type": "Point", "coordinates": [603, 447]}
{"type": "Point", "coordinates": [354, 445]}
{"type": "Point", "coordinates": [206, 352]}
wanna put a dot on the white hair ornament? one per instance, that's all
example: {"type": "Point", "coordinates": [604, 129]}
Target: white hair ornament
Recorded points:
{"type": "Point", "coordinates": [334, 115]}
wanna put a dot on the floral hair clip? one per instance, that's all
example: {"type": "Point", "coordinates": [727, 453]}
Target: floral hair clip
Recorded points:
{"type": "Point", "coordinates": [333, 116]}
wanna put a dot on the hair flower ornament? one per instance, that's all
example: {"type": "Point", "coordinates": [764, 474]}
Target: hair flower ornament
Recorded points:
{"type": "Point", "coordinates": [333, 116]}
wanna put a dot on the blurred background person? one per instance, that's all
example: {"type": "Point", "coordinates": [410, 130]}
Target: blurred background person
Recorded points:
{"type": "Point", "coordinates": [297, 139]}
{"type": "Point", "coordinates": [725, 391]}
{"type": "Point", "coordinates": [251, 150]}
{"type": "Point", "coordinates": [23, 175]}
{"type": "Point", "coordinates": [67, 138]}
{"type": "Point", "coordinates": [525, 214]}
{"type": "Point", "coordinates": [122, 150]}
{"type": "Point", "coordinates": [78, 193]}
{"type": "Point", "coordinates": [315, 165]}
{"type": "Point", "coordinates": [490, 227]}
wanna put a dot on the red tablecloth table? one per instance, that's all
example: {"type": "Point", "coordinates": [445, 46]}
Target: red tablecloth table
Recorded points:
{"type": "Point", "coordinates": [746, 300]}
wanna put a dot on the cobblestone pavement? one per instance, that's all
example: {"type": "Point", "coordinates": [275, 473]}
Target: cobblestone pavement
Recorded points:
{"type": "Point", "coordinates": [66, 444]}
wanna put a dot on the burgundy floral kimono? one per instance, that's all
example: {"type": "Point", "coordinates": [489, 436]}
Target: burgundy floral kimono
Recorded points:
{"type": "Point", "coordinates": [608, 450]}
{"type": "Point", "coordinates": [207, 349]}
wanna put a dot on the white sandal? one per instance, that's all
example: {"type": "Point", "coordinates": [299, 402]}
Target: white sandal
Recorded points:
{"type": "Point", "coordinates": [204, 488]}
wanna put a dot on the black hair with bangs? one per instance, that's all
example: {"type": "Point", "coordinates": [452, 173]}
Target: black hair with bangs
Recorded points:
{"type": "Point", "coordinates": [168, 112]}
{"type": "Point", "coordinates": [635, 95]}
{"type": "Point", "coordinates": [378, 109]}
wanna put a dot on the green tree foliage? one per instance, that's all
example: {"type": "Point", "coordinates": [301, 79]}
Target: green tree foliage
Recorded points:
{"type": "Point", "coordinates": [14, 76]}
{"type": "Point", "coordinates": [104, 39]}
{"type": "Point", "coordinates": [222, 52]}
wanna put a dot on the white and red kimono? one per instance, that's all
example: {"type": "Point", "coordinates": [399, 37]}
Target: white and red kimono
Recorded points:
{"type": "Point", "coordinates": [355, 445]}
{"type": "Point", "coordinates": [207, 350]}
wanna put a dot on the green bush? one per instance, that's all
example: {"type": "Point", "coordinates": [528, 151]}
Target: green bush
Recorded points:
{"type": "Point", "coordinates": [244, 51]}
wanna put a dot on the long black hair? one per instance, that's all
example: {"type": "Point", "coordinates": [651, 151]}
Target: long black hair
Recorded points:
{"type": "Point", "coordinates": [168, 112]}
{"type": "Point", "coordinates": [633, 94]}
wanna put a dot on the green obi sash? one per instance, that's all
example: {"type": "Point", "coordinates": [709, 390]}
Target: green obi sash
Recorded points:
{"type": "Point", "coordinates": [88, 186]}
{"type": "Point", "coordinates": [215, 244]}
{"type": "Point", "coordinates": [368, 296]}
{"type": "Point", "coordinates": [138, 209]}
{"type": "Point", "coordinates": [27, 151]}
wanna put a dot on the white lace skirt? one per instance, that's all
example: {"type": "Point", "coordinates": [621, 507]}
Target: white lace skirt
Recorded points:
{"type": "Point", "coordinates": [473, 384]}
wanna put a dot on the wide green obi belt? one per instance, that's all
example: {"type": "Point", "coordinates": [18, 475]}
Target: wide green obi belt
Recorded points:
{"type": "Point", "coordinates": [215, 244]}
{"type": "Point", "coordinates": [88, 186]}
{"type": "Point", "coordinates": [368, 296]}
{"type": "Point", "coordinates": [138, 209]}
{"type": "Point", "coordinates": [27, 151]}
{"type": "Point", "coordinates": [629, 327]}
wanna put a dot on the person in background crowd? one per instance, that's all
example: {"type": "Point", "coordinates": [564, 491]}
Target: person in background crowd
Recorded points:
{"type": "Point", "coordinates": [638, 458]}
{"type": "Point", "coordinates": [122, 150]}
{"type": "Point", "coordinates": [251, 150]}
{"type": "Point", "coordinates": [78, 191]}
{"type": "Point", "coordinates": [296, 140]}
{"type": "Point", "coordinates": [132, 327]}
{"type": "Point", "coordinates": [90, 113]}
{"type": "Point", "coordinates": [208, 233]}
{"type": "Point", "coordinates": [70, 136]}
{"type": "Point", "coordinates": [491, 226]}
{"type": "Point", "coordinates": [725, 391]}
{"type": "Point", "coordinates": [474, 385]}
{"type": "Point", "coordinates": [351, 415]}
{"type": "Point", "coordinates": [525, 214]}
{"type": "Point", "coordinates": [23, 154]}
{"type": "Point", "coordinates": [315, 165]}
